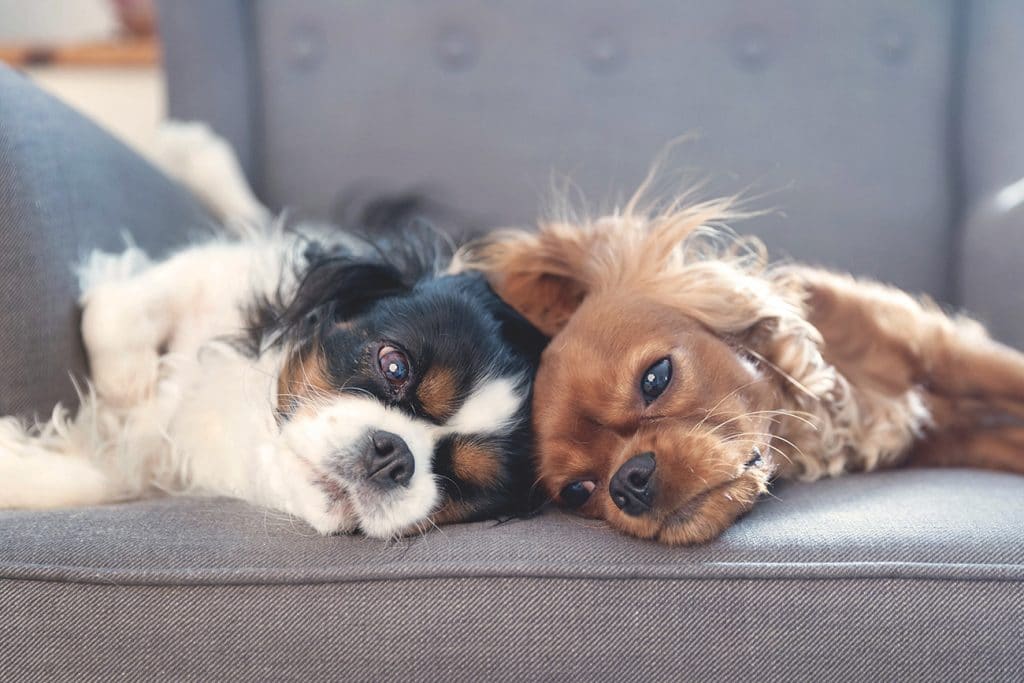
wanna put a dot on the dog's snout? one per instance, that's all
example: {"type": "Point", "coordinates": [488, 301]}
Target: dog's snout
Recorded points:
{"type": "Point", "coordinates": [388, 460]}
{"type": "Point", "coordinates": [631, 487]}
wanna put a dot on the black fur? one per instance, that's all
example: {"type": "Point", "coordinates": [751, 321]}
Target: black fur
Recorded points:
{"type": "Point", "coordinates": [382, 285]}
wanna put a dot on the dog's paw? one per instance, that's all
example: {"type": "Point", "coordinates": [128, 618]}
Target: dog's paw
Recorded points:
{"type": "Point", "coordinates": [124, 378]}
{"type": "Point", "coordinates": [205, 163]}
{"type": "Point", "coordinates": [295, 487]}
{"type": "Point", "coordinates": [123, 344]}
{"type": "Point", "coordinates": [328, 514]}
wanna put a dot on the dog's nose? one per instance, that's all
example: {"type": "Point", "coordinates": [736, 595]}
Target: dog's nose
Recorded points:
{"type": "Point", "coordinates": [388, 460]}
{"type": "Point", "coordinates": [631, 488]}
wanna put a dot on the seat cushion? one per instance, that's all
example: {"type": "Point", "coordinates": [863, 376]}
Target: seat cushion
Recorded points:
{"type": "Point", "coordinates": [907, 574]}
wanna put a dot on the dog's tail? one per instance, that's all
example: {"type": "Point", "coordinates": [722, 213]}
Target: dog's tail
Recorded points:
{"type": "Point", "coordinates": [49, 464]}
{"type": "Point", "coordinates": [192, 154]}
{"type": "Point", "coordinates": [95, 455]}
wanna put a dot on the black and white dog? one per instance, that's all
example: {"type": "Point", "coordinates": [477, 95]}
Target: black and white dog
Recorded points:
{"type": "Point", "coordinates": [357, 384]}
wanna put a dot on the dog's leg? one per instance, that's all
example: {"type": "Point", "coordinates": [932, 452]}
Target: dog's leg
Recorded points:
{"type": "Point", "coordinates": [264, 475]}
{"type": "Point", "coordinates": [883, 337]}
{"type": "Point", "coordinates": [204, 162]}
{"type": "Point", "coordinates": [994, 448]}
{"type": "Point", "coordinates": [175, 306]}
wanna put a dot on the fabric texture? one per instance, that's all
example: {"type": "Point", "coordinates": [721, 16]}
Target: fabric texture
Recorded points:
{"type": "Point", "coordinates": [850, 115]}
{"type": "Point", "coordinates": [990, 264]}
{"type": "Point", "coordinates": [835, 117]}
{"type": "Point", "coordinates": [66, 188]}
{"type": "Point", "coordinates": [909, 575]}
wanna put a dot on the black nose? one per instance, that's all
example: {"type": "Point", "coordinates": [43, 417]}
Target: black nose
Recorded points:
{"type": "Point", "coordinates": [388, 460]}
{"type": "Point", "coordinates": [631, 488]}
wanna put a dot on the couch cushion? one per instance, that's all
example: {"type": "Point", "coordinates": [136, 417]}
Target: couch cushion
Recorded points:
{"type": "Point", "coordinates": [839, 111]}
{"type": "Point", "coordinates": [910, 574]}
{"type": "Point", "coordinates": [66, 188]}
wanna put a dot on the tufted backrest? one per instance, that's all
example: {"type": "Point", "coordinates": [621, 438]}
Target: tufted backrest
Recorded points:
{"type": "Point", "coordinates": [846, 116]}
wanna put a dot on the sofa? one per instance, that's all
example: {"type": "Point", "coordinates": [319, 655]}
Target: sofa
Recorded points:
{"type": "Point", "coordinates": [882, 137]}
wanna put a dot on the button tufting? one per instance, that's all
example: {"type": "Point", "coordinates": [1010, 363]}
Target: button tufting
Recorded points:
{"type": "Point", "coordinates": [456, 48]}
{"type": "Point", "coordinates": [604, 52]}
{"type": "Point", "coordinates": [892, 42]}
{"type": "Point", "coordinates": [751, 46]}
{"type": "Point", "coordinates": [306, 47]}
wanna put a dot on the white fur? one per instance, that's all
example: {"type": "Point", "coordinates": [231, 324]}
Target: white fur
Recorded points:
{"type": "Point", "coordinates": [174, 408]}
{"type": "Point", "coordinates": [195, 156]}
{"type": "Point", "coordinates": [489, 409]}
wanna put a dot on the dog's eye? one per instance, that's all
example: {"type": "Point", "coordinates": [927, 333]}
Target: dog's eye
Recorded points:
{"type": "Point", "coordinates": [655, 379]}
{"type": "Point", "coordinates": [577, 493]}
{"type": "Point", "coordinates": [755, 458]}
{"type": "Point", "coordinates": [393, 365]}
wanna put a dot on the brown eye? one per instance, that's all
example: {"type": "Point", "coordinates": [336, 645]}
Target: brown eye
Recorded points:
{"type": "Point", "coordinates": [393, 365]}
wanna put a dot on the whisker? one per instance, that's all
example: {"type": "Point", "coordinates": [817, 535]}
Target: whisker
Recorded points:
{"type": "Point", "coordinates": [713, 408]}
{"type": "Point", "coordinates": [785, 375]}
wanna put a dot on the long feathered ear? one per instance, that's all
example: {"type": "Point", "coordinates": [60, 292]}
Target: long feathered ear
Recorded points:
{"type": "Point", "coordinates": [544, 276]}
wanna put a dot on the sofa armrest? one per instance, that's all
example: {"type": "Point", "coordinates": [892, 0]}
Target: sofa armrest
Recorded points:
{"type": "Point", "coordinates": [992, 264]}
{"type": "Point", "coordinates": [66, 187]}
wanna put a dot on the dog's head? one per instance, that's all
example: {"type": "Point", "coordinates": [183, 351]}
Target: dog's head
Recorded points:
{"type": "Point", "coordinates": [406, 390]}
{"type": "Point", "coordinates": [656, 400]}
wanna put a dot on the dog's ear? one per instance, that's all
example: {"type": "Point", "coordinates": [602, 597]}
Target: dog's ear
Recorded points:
{"type": "Point", "coordinates": [519, 332]}
{"type": "Point", "coordinates": [544, 276]}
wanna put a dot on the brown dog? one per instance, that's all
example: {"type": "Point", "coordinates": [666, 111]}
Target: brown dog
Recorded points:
{"type": "Point", "coordinates": [685, 371]}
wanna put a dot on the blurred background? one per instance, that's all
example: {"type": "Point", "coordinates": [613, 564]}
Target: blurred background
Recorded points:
{"type": "Point", "coordinates": [884, 137]}
{"type": "Point", "coordinates": [100, 56]}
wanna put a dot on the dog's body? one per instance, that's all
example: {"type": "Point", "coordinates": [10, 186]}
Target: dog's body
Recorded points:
{"type": "Point", "coordinates": [685, 372]}
{"type": "Point", "coordinates": [348, 382]}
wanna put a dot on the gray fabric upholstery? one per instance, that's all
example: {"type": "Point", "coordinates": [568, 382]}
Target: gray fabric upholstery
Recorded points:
{"type": "Point", "coordinates": [65, 188]}
{"type": "Point", "coordinates": [992, 256]}
{"type": "Point", "coordinates": [912, 575]}
{"type": "Point", "coordinates": [839, 111]}
{"type": "Point", "coordinates": [878, 126]}
{"type": "Point", "coordinates": [875, 129]}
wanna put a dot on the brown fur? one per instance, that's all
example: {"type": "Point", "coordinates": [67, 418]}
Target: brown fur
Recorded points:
{"type": "Point", "coordinates": [438, 391]}
{"type": "Point", "coordinates": [302, 381]}
{"type": "Point", "coordinates": [474, 463]}
{"type": "Point", "coordinates": [820, 372]}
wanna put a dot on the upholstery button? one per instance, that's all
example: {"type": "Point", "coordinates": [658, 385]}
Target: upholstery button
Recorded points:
{"type": "Point", "coordinates": [751, 46]}
{"type": "Point", "coordinates": [604, 52]}
{"type": "Point", "coordinates": [456, 49]}
{"type": "Point", "coordinates": [892, 42]}
{"type": "Point", "coordinates": [306, 47]}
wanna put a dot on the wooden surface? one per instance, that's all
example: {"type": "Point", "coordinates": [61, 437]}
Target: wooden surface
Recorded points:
{"type": "Point", "coordinates": [124, 52]}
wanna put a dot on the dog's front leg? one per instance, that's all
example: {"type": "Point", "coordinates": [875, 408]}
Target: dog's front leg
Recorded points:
{"type": "Point", "coordinates": [270, 476]}
{"type": "Point", "coordinates": [175, 306]}
{"type": "Point", "coordinates": [296, 488]}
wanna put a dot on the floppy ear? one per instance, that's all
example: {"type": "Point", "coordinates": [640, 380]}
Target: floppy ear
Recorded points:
{"type": "Point", "coordinates": [541, 275]}
{"type": "Point", "coordinates": [519, 332]}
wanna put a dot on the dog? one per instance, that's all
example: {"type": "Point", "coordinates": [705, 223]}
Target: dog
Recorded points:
{"type": "Point", "coordinates": [351, 382]}
{"type": "Point", "coordinates": [685, 371]}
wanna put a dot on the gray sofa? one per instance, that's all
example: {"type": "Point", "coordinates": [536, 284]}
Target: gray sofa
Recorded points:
{"type": "Point", "coordinates": [889, 136]}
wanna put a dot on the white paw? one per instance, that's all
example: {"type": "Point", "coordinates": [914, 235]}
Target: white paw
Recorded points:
{"type": "Point", "coordinates": [123, 344]}
{"type": "Point", "coordinates": [125, 378]}
{"type": "Point", "coordinates": [296, 488]}
{"type": "Point", "coordinates": [328, 514]}
{"type": "Point", "coordinates": [205, 163]}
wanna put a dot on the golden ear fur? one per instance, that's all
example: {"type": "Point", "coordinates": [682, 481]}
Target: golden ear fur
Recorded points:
{"type": "Point", "coordinates": [547, 274]}
{"type": "Point", "coordinates": [680, 253]}
{"type": "Point", "coordinates": [540, 274]}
